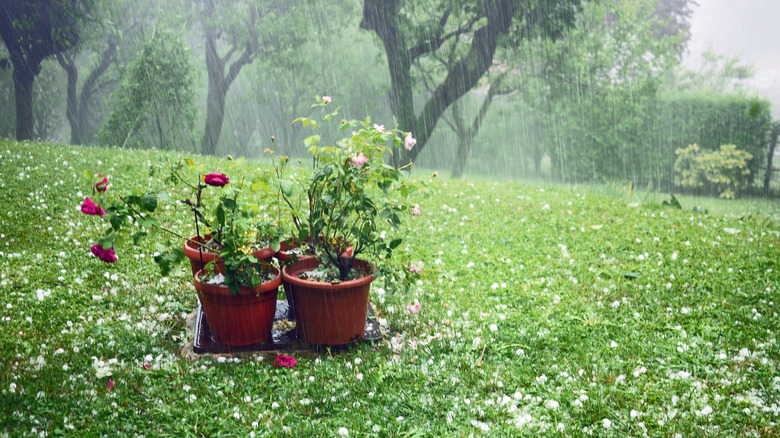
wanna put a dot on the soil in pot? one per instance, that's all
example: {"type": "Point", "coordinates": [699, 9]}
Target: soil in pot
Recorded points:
{"type": "Point", "coordinates": [329, 313]}
{"type": "Point", "coordinates": [242, 319]}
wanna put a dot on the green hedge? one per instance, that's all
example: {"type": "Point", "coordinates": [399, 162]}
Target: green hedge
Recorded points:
{"type": "Point", "coordinates": [617, 137]}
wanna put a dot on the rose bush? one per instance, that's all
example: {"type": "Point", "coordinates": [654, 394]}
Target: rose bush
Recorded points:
{"type": "Point", "coordinates": [351, 197]}
{"type": "Point", "coordinates": [223, 214]}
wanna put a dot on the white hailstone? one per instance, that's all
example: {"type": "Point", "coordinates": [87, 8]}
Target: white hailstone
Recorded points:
{"type": "Point", "coordinates": [607, 423]}
{"type": "Point", "coordinates": [493, 328]}
{"type": "Point", "coordinates": [551, 404]}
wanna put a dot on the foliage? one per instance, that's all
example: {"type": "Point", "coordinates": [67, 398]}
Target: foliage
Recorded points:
{"type": "Point", "coordinates": [351, 192]}
{"type": "Point", "coordinates": [726, 170]}
{"type": "Point", "coordinates": [228, 224]}
{"type": "Point", "coordinates": [154, 105]}
{"type": "Point", "coordinates": [511, 339]}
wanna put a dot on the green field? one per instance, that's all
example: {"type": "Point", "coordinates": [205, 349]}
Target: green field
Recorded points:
{"type": "Point", "coordinates": [546, 311]}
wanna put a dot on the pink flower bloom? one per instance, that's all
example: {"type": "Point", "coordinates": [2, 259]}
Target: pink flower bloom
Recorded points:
{"type": "Point", "coordinates": [110, 384]}
{"type": "Point", "coordinates": [216, 179]}
{"type": "Point", "coordinates": [414, 308]}
{"type": "Point", "coordinates": [410, 141]}
{"type": "Point", "coordinates": [416, 268]}
{"type": "Point", "coordinates": [107, 255]}
{"type": "Point", "coordinates": [146, 366]}
{"type": "Point", "coordinates": [89, 207]}
{"type": "Point", "coordinates": [359, 160]}
{"type": "Point", "coordinates": [326, 99]}
{"type": "Point", "coordinates": [380, 128]}
{"type": "Point", "coordinates": [101, 186]}
{"type": "Point", "coordinates": [285, 361]}
{"type": "Point", "coordinates": [435, 174]}
{"type": "Point", "coordinates": [416, 210]}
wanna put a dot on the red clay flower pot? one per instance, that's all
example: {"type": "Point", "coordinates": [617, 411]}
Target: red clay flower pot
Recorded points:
{"type": "Point", "coordinates": [192, 253]}
{"type": "Point", "coordinates": [329, 313]}
{"type": "Point", "coordinates": [242, 319]}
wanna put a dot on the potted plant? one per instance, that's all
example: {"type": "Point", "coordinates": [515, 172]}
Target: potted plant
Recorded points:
{"type": "Point", "coordinates": [236, 287]}
{"type": "Point", "coordinates": [351, 198]}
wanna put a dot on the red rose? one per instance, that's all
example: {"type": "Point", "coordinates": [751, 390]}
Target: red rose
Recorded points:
{"type": "Point", "coordinates": [216, 179]}
{"type": "Point", "coordinates": [107, 255]}
{"type": "Point", "coordinates": [285, 361]}
{"type": "Point", "coordinates": [89, 207]}
{"type": "Point", "coordinates": [101, 186]}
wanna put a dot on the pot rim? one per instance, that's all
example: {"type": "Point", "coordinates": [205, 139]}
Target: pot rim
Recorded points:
{"type": "Point", "coordinates": [263, 287]}
{"type": "Point", "coordinates": [323, 285]}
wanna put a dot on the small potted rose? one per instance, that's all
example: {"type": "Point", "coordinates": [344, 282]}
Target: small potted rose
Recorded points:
{"type": "Point", "coordinates": [236, 286]}
{"type": "Point", "coordinates": [348, 212]}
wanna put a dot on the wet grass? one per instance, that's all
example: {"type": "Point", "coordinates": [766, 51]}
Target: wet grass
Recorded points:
{"type": "Point", "coordinates": [546, 311]}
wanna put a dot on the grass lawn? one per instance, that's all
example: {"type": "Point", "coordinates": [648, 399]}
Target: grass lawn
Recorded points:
{"type": "Point", "coordinates": [546, 311]}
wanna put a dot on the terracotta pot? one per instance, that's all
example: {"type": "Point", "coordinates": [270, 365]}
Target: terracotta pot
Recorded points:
{"type": "Point", "coordinates": [242, 319]}
{"type": "Point", "coordinates": [192, 253]}
{"type": "Point", "coordinates": [328, 313]}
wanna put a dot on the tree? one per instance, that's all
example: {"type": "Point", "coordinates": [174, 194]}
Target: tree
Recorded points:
{"type": "Point", "coordinates": [107, 44]}
{"type": "Point", "coordinates": [593, 87]}
{"type": "Point", "coordinates": [154, 106]}
{"type": "Point", "coordinates": [32, 31]}
{"type": "Point", "coordinates": [411, 29]}
{"type": "Point", "coordinates": [236, 33]}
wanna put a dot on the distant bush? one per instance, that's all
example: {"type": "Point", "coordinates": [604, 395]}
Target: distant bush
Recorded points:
{"type": "Point", "coordinates": [625, 139]}
{"type": "Point", "coordinates": [725, 170]}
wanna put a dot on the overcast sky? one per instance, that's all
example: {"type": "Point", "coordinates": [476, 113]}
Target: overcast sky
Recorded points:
{"type": "Point", "coordinates": [747, 28]}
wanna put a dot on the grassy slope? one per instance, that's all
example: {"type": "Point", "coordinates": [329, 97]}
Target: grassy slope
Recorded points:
{"type": "Point", "coordinates": [542, 308]}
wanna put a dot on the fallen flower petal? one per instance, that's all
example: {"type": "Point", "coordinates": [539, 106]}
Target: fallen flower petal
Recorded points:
{"type": "Point", "coordinates": [110, 384]}
{"type": "Point", "coordinates": [414, 308]}
{"type": "Point", "coordinates": [285, 361]}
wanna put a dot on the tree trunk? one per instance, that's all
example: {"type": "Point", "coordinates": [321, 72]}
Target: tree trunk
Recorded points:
{"type": "Point", "coordinates": [770, 155]}
{"type": "Point", "coordinates": [215, 115]}
{"type": "Point", "coordinates": [23, 89]}
{"type": "Point", "coordinates": [380, 16]}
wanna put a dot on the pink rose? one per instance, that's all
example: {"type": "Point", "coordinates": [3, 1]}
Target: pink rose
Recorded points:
{"type": "Point", "coordinates": [326, 99]}
{"type": "Point", "coordinates": [380, 128]}
{"type": "Point", "coordinates": [89, 207]}
{"type": "Point", "coordinates": [216, 179]}
{"type": "Point", "coordinates": [107, 255]}
{"type": "Point", "coordinates": [359, 160]}
{"type": "Point", "coordinates": [146, 366]}
{"type": "Point", "coordinates": [416, 210]}
{"type": "Point", "coordinates": [416, 268]}
{"type": "Point", "coordinates": [101, 186]}
{"type": "Point", "coordinates": [110, 384]}
{"type": "Point", "coordinates": [409, 141]}
{"type": "Point", "coordinates": [414, 308]}
{"type": "Point", "coordinates": [285, 361]}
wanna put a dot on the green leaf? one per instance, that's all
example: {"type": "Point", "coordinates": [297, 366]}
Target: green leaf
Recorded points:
{"type": "Point", "coordinates": [116, 221]}
{"type": "Point", "coordinates": [163, 196]}
{"type": "Point", "coordinates": [88, 175]}
{"type": "Point", "coordinates": [631, 275]}
{"type": "Point", "coordinates": [190, 162]}
{"type": "Point", "coordinates": [220, 215]}
{"type": "Point", "coordinates": [149, 202]}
